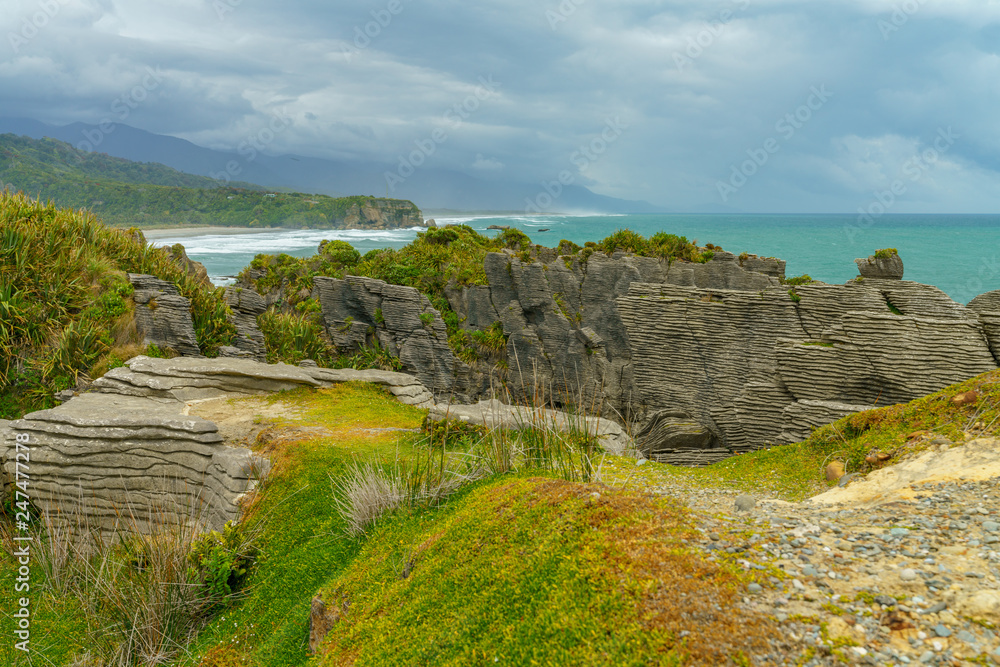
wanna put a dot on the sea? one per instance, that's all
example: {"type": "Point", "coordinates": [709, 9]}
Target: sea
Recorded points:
{"type": "Point", "coordinates": [959, 254]}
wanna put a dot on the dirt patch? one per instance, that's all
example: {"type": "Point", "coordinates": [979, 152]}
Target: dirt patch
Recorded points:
{"type": "Point", "coordinates": [242, 420]}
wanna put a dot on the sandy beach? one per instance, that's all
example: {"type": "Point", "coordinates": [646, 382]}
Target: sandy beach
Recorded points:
{"type": "Point", "coordinates": [154, 233]}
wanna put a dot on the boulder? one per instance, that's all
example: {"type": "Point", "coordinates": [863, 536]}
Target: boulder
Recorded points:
{"type": "Point", "coordinates": [884, 265]}
{"type": "Point", "coordinates": [122, 463]}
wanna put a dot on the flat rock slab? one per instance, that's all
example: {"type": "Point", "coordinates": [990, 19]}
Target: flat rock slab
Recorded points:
{"type": "Point", "coordinates": [115, 411]}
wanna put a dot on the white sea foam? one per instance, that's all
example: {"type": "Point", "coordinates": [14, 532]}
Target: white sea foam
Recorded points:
{"type": "Point", "coordinates": [284, 241]}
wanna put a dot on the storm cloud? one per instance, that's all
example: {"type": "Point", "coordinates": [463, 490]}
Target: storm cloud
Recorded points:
{"type": "Point", "coordinates": [754, 105]}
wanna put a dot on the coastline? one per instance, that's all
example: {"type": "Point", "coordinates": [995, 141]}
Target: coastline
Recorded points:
{"type": "Point", "coordinates": [154, 233]}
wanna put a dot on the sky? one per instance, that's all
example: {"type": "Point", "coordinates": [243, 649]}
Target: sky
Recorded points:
{"type": "Point", "coordinates": [754, 105]}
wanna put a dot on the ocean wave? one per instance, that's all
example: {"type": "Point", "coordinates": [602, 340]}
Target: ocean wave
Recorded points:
{"type": "Point", "coordinates": [284, 241]}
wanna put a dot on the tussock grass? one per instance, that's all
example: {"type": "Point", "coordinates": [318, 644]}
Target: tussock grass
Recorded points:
{"type": "Point", "coordinates": [136, 597]}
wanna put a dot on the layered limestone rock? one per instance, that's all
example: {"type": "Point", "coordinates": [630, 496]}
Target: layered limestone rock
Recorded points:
{"type": "Point", "coordinates": [163, 316]}
{"type": "Point", "coordinates": [187, 379]}
{"type": "Point", "coordinates": [883, 265]}
{"type": "Point", "coordinates": [987, 307]}
{"type": "Point", "coordinates": [109, 463]}
{"type": "Point", "coordinates": [566, 340]}
{"type": "Point", "coordinates": [130, 456]}
{"type": "Point", "coordinates": [246, 305]}
{"type": "Point", "coordinates": [763, 367]}
{"type": "Point", "coordinates": [361, 312]}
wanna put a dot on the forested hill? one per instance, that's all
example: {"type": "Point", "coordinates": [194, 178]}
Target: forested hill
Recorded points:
{"type": "Point", "coordinates": [126, 193]}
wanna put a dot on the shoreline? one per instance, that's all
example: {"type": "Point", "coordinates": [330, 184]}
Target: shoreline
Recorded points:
{"type": "Point", "coordinates": [151, 233]}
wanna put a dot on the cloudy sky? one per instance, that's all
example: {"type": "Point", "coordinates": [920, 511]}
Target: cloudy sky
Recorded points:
{"type": "Point", "coordinates": [759, 105]}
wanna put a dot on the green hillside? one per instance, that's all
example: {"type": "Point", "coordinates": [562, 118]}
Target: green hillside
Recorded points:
{"type": "Point", "coordinates": [126, 194]}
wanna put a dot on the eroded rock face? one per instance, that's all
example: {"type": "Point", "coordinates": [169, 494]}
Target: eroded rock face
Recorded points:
{"type": "Point", "coordinates": [987, 308]}
{"type": "Point", "coordinates": [361, 311]}
{"type": "Point", "coordinates": [124, 463]}
{"type": "Point", "coordinates": [129, 456]}
{"type": "Point", "coordinates": [246, 305]}
{"type": "Point", "coordinates": [163, 316]}
{"type": "Point", "coordinates": [670, 435]}
{"type": "Point", "coordinates": [760, 367]}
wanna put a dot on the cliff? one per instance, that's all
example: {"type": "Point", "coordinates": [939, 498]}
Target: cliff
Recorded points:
{"type": "Point", "coordinates": [701, 359]}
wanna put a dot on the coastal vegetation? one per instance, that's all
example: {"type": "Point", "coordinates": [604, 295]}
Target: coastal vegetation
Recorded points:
{"type": "Point", "coordinates": [130, 194]}
{"type": "Point", "coordinates": [65, 306]}
{"type": "Point", "coordinates": [437, 261]}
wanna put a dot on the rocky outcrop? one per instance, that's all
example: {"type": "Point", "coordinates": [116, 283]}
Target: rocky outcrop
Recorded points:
{"type": "Point", "coordinates": [764, 367]}
{"type": "Point", "coordinates": [987, 308]}
{"type": "Point", "coordinates": [378, 213]}
{"type": "Point", "coordinates": [246, 305]}
{"type": "Point", "coordinates": [566, 340]}
{"type": "Point", "coordinates": [361, 312]}
{"type": "Point", "coordinates": [194, 269]}
{"type": "Point", "coordinates": [130, 456]}
{"type": "Point", "coordinates": [110, 463]}
{"type": "Point", "coordinates": [185, 379]}
{"type": "Point", "coordinates": [163, 316]}
{"type": "Point", "coordinates": [670, 435]}
{"type": "Point", "coordinates": [883, 265]}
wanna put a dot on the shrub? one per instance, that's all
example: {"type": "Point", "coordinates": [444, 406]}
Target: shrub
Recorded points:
{"type": "Point", "coordinates": [218, 562]}
{"type": "Point", "coordinates": [886, 253]}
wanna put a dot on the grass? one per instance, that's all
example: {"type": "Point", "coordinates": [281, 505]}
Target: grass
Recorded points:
{"type": "Point", "coordinates": [65, 302]}
{"type": "Point", "coordinates": [511, 565]}
{"type": "Point", "coordinates": [539, 571]}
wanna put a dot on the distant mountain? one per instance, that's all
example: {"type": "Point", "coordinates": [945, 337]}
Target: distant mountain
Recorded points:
{"type": "Point", "coordinates": [127, 193]}
{"type": "Point", "coordinates": [427, 187]}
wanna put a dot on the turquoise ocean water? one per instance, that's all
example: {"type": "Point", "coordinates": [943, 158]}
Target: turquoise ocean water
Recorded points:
{"type": "Point", "coordinates": [960, 254]}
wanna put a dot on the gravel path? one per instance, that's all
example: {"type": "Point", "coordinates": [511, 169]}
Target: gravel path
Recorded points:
{"type": "Point", "coordinates": [908, 582]}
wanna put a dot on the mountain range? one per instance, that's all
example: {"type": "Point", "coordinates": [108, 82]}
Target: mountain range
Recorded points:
{"type": "Point", "coordinates": [427, 187]}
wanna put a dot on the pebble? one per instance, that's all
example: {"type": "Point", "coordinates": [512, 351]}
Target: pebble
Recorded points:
{"type": "Point", "coordinates": [887, 572]}
{"type": "Point", "coordinates": [941, 631]}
